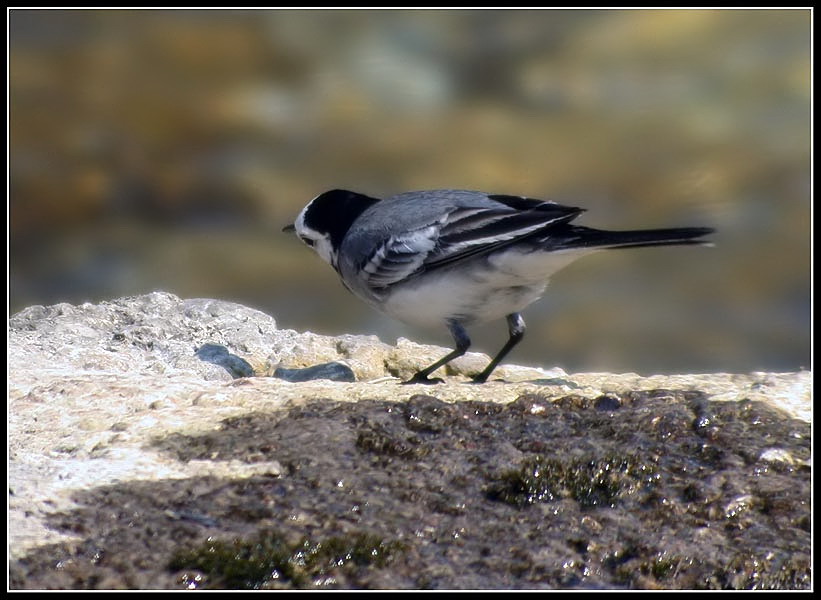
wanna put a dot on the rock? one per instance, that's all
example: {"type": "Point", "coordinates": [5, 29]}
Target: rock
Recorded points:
{"type": "Point", "coordinates": [408, 357]}
{"type": "Point", "coordinates": [144, 424]}
{"type": "Point", "coordinates": [154, 334]}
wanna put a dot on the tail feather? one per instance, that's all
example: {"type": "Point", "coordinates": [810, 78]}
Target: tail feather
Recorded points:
{"type": "Point", "coordinates": [575, 236]}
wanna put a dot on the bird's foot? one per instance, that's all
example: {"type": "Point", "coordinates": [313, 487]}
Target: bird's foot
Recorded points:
{"type": "Point", "coordinates": [421, 378]}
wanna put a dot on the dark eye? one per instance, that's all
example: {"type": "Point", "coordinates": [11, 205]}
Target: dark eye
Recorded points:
{"type": "Point", "coordinates": [308, 241]}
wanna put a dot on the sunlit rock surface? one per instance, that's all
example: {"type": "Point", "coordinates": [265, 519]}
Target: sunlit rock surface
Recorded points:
{"type": "Point", "coordinates": [140, 447]}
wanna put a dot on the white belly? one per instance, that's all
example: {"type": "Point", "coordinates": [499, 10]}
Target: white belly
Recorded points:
{"type": "Point", "coordinates": [490, 290]}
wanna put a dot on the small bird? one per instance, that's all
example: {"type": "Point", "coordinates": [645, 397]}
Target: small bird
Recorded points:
{"type": "Point", "coordinates": [457, 257]}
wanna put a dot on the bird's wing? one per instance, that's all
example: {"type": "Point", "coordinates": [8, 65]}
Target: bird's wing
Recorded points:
{"type": "Point", "coordinates": [460, 233]}
{"type": "Point", "coordinates": [399, 256]}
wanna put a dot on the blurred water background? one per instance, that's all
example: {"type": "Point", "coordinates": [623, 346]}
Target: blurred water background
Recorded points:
{"type": "Point", "coordinates": [165, 149]}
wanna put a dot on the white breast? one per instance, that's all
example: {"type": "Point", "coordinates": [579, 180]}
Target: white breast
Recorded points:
{"type": "Point", "coordinates": [476, 293]}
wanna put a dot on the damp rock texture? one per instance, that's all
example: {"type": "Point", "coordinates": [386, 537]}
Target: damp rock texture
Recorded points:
{"type": "Point", "coordinates": [151, 447]}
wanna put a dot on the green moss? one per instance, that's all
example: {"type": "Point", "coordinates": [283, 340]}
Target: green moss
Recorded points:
{"type": "Point", "coordinates": [591, 481]}
{"type": "Point", "coordinates": [378, 441]}
{"type": "Point", "coordinates": [664, 567]}
{"type": "Point", "coordinates": [773, 572]}
{"type": "Point", "coordinates": [268, 561]}
{"type": "Point", "coordinates": [742, 571]}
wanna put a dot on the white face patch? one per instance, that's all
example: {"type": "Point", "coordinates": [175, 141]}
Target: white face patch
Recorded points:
{"type": "Point", "coordinates": [320, 242]}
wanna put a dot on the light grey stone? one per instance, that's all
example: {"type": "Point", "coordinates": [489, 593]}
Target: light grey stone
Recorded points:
{"type": "Point", "coordinates": [92, 387]}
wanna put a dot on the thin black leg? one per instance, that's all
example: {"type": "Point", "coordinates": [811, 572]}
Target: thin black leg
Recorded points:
{"type": "Point", "coordinates": [516, 328]}
{"type": "Point", "coordinates": [460, 336]}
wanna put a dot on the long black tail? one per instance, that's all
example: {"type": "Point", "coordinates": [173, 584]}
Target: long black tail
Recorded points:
{"type": "Point", "coordinates": [576, 236]}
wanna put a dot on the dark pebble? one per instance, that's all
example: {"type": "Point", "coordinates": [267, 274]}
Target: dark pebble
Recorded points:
{"type": "Point", "coordinates": [333, 370]}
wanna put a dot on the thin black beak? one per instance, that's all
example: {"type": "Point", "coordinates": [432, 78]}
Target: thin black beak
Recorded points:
{"type": "Point", "coordinates": [290, 227]}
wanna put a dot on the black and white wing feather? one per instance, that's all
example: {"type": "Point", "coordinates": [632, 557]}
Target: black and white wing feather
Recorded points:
{"type": "Point", "coordinates": [399, 257]}
{"type": "Point", "coordinates": [459, 234]}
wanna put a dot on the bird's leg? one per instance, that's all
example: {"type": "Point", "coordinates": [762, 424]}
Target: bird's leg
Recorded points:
{"type": "Point", "coordinates": [516, 327]}
{"type": "Point", "coordinates": [460, 336]}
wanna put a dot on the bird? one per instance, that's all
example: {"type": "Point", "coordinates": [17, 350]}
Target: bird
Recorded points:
{"type": "Point", "coordinates": [457, 258]}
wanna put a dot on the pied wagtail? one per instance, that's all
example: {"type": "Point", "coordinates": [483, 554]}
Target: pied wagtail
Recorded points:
{"type": "Point", "coordinates": [456, 257]}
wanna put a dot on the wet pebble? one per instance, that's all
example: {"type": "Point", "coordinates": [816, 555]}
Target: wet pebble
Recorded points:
{"type": "Point", "coordinates": [334, 371]}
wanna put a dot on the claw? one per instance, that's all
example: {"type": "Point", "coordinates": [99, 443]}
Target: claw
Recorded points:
{"type": "Point", "coordinates": [423, 379]}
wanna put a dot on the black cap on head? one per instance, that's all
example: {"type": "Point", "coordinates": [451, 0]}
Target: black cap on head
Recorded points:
{"type": "Point", "coordinates": [334, 212]}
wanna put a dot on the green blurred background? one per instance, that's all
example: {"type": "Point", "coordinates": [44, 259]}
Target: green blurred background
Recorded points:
{"type": "Point", "coordinates": [165, 149]}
